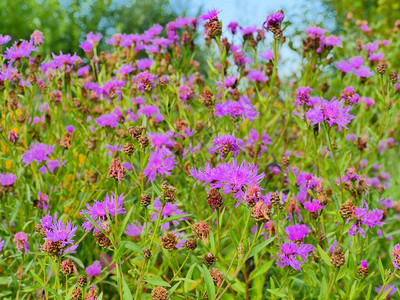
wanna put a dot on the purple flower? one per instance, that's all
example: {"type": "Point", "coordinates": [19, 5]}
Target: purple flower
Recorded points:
{"type": "Point", "coordinates": [108, 120]}
{"type": "Point", "coordinates": [144, 63]}
{"type": "Point", "coordinates": [160, 163]}
{"type": "Point", "coordinates": [37, 38]}
{"type": "Point", "coordinates": [253, 138]}
{"type": "Point", "coordinates": [145, 81]}
{"type": "Point", "coordinates": [94, 269]}
{"type": "Point", "coordinates": [315, 32]}
{"type": "Point", "coordinates": [268, 55]}
{"type": "Point", "coordinates": [43, 201]}
{"type": "Point", "coordinates": [230, 177]}
{"type": "Point", "coordinates": [134, 229]}
{"type": "Point", "coordinates": [38, 152]}
{"type": "Point", "coordinates": [7, 179]}
{"type": "Point", "coordinates": [57, 231]}
{"type": "Point", "coordinates": [98, 211]}
{"type": "Point", "coordinates": [125, 69]}
{"type": "Point", "coordinates": [273, 20]}
{"type": "Point", "coordinates": [161, 140]}
{"type": "Point", "coordinates": [19, 50]}
{"type": "Point", "coordinates": [225, 143]}
{"type": "Point", "coordinates": [369, 218]}
{"type": "Point", "coordinates": [4, 39]}
{"type": "Point", "coordinates": [350, 95]}
{"type": "Point", "coordinates": [257, 76]}
{"type": "Point", "coordinates": [376, 56]}
{"type": "Point", "coordinates": [242, 108]}
{"type": "Point", "coordinates": [363, 72]}
{"type": "Point", "coordinates": [390, 287]}
{"type": "Point", "coordinates": [170, 209]}
{"type": "Point", "coordinates": [303, 96]}
{"type": "Point", "coordinates": [185, 92]}
{"type": "Point", "coordinates": [83, 71]}
{"type": "Point", "coordinates": [21, 241]}
{"type": "Point", "coordinates": [364, 264]}
{"type": "Point", "coordinates": [1, 244]}
{"type": "Point", "coordinates": [70, 128]}
{"type": "Point", "coordinates": [232, 26]}
{"type": "Point", "coordinates": [313, 206]}
{"type": "Point", "coordinates": [297, 232]}
{"type": "Point", "coordinates": [290, 254]}
{"type": "Point", "coordinates": [331, 112]}
{"type": "Point", "coordinates": [212, 13]}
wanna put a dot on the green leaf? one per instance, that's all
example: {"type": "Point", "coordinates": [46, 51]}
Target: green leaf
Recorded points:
{"type": "Point", "coordinates": [157, 282]}
{"type": "Point", "coordinates": [324, 255]}
{"type": "Point", "coordinates": [381, 270]}
{"type": "Point", "coordinates": [276, 292]}
{"type": "Point", "coordinates": [173, 218]}
{"type": "Point", "coordinates": [126, 291]}
{"type": "Point", "coordinates": [209, 282]}
{"type": "Point", "coordinates": [122, 226]}
{"type": "Point", "coordinates": [260, 247]}
{"type": "Point", "coordinates": [132, 246]}
{"type": "Point", "coordinates": [189, 274]}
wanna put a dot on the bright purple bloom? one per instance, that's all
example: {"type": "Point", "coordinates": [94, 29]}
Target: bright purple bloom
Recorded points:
{"type": "Point", "coordinates": [257, 76]}
{"type": "Point", "coordinates": [331, 112]}
{"type": "Point", "coordinates": [21, 241]}
{"type": "Point", "coordinates": [273, 20]}
{"type": "Point", "coordinates": [230, 177]}
{"type": "Point", "coordinates": [161, 140]}
{"type": "Point", "coordinates": [185, 92]}
{"type": "Point", "coordinates": [390, 287]}
{"type": "Point", "coordinates": [38, 152]}
{"type": "Point", "coordinates": [268, 55]}
{"type": "Point", "coordinates": [108, 120]}
{"type": "Point", "coordinates": [4, 39]}
{"type": "Point", "coordinates": [83, 71]}
{"type": "Point", "coordinates": [225, 143]}
{"type": "Point", "coordinates": [303, 96]}
{"type": "Point", "coordinates": [145, 80]}
{"type": "Point", "coordinates": [57, 231]}
{"type": "Point", "coordinates": [290, 254]}
{"type": "Point", "coordinates": [237, 109]}
{"type": "Point", "coordinates": [160, 163]}
{"type": "Point", "coordinates": [212, 13]}
{"type": "Point", "coordinates": [297, 232]}
{"type": "Point", "coordinates": [94, 269]}
{"type": "Point", "coordinates": [19, 50]}
{"type": "Point", "coordinates": [363, 72]}
{"type": "Point", "coordinates": [70, 128]}
{"type": "Point", "coordinates": [134, 229]}
{"type": "Point", "coordinates": [376, 56]}
{"type": "Point", "coordinates": [314, 32]}
{"type": "Point", "coordinates": [313, 206]}
{"type": "Point", "coordinates": [98, 211]}
{"type": "Point", "coordinates": [364, 264]}
{"type": "Point", "coordinates": [1, 244]}
{"type": "Point", "coordinates": [37, 38]}
{"type": "Point", "coordinates": [349, 94]}
{"type": "Point", "coordinates": [253, 138]}
{"type": "Point", "coordinates": [144, 63]}
{"type": "Point", "coordinates": [125, 69]}
{"type": "Point", "coordinates": [7, 179]}
{"type": "Point", "coordinates": [170, 209]}
{"type": "Point", "coordinates": [369, 218]}
{"type": "Point", "coordinates": [232, 26]}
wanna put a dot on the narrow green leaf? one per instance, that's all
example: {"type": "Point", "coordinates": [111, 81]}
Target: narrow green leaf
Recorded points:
{"type": "Point", "coordinates": [157, 282]}
{"type": "Point", "coordinates": [324, 255]}
{"type": "Point", "coordinates": [260, 247]}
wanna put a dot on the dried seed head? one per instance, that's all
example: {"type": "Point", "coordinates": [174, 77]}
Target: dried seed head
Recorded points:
{"type": "Point", "coordinates": [92, 178]}
{"type": "Point", "coordinates": [116, 169]}
{"type": "Point", "coordinates": [40, 230]}
{"type": "Point", "coordinates": [143, 141]}
{"type": "Point", "coordinates": [121, 133]}
{"type": "Point", "coordinates": [363, 272]}
{"type": "Point", "coordinates": [101, 239]}
{"type": "Point", "coordinates": [92, 144]}
{"type": "Point", "coordinates": [209, 259]}
{"type": "Point", "coordinates": [215, 199]}
{"type": "Point", "coordinates": [159, 293]}
{"type": "Point", "coordinates": [92, 294]}
{"type": "Point", "coordinates": [82, 280]}
{"type": "Point", "coordinates": [135, 132]}
{"type": "Point", "coordinates": [394, 77]}
{"type": "Point", "coordinates": [207, 98]}
{"type": "Point", "coordinates": [285, 162]}
{"type": "Point", "coordinates": [261, 212]}
{"type": "Point", "coordinates": [52, 248]}
{"type": "Point", "coordinates": [190, 244]}
{"type": "Point", "coordinates": [217, 276]}
{"type": "Point", "coordinates": [145, 200]}
{"type": "Point", "coordinates": [147, 254]}
{"type": "Point", "coordinates": [201, 230]}
{"type": "Point", "coordinates": [337, 257]}
{"type": "Point", "coordinates": [129, 149]}
{"type": "Point", "coordinates": [65, 142]}
{"type": "Point", "coordinates": [169, 194]}
{"type": "Point", "coordinates": [275, 199]}
{"type": "Point", "coordinates": [347, 209]}
{"type": "Point", "coordinates": [381, 67]}
{"type": "Point", "coordinates": [169, 241]}
{"type": "Point", "coordinates": [76, 293]}
{"type": "Point", "coordinates": [68, 267]}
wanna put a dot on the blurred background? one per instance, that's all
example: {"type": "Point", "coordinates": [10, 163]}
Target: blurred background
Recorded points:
{"type": "Point", "coordinates": [65, 22]}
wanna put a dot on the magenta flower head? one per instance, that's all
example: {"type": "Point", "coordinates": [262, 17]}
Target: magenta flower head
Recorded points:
{"type": "Point", "coordinates": [134, 229]}
{"type": "Point", "coordinates": [303, 96]}
{"type": "Point", "coordinates": [396, 256]}
{"type": "Point", "coordinates": [332, 112]}
{"type": "Point", "coordinates": [19, 50]}
{"type": "Point", "coordinates": [170, 209]}
{"type": "Point", "coordinates": [274, 21]}
{"type": "Point", "coordinates": [99, 210]}
{"type": "Point", "coordinates": [21, 241]}
{"type": "Point", "coordinates": [364, 264]}
{"type": "Point", "coordinates": [297, 232]}
{"type": "Point", "coordinates": [212, 27]}
{"type": "Point", "coordinates": [185, 92]}
{"type": "Point", "coordinates": [1, 244]}
{"type": "Point", "coordinates": [232, 26]}
{"type": "Point", "coordinates": [225, 144]}
{"type": "Point", "coordinates": [38, 152]}
{"type": "Point", "coordinates": [237, 109]}
{"type": "Point", "coordinates": [145, 81]}
{"type": "Point", "coordinates": [209, 15]}
{"type": "Point", "coordinates": [291, 253]}
{"type": "Point", "coordinates": [363, 72]}
{"type": "Point", "coordinates": [390, 287]}
{"type": "Point", "coordinates": [37, 38]}
{"type": "Point", "coordinates": [160, 163]}
{"type": "Point", "coordinates": [7, 179]}
{"type": "Point", "coordinates": [4, 39]}
{"type": "Point", "coordinates": [94, 269]}
{"type": "Point", "coordinates": [350, 95]}
{"type": "Point", "coordinates": [313, 206]}
{"type": "Point", "coordinates": [315, 32]}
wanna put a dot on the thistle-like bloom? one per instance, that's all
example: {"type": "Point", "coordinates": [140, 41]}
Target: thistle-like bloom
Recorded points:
{"type": "Point", "coordinates": [98, 212]}
{"type": "Point", "coordinates": [369, 218]}
{"type": "Point", "coordinates": [134, 229]}
{"type": "Point", "coordinates": [396, 256]}
{"type": "Point", "coordinates": [237, 109]}
{"type": "Point", "coordinates": [170, 209]}
{"type": "Point", "coordinates": [225, 143]}
{"type": "Point", "coordinates": [160, 163]}
{"type": "Point", "coordinates": [297, 232]}
{"type": "Point", "coordinates": [38, 152]}
{"type": "Point", "coordinates": [21, 241]}
{"type": "Point", "coordinates": [363, 72]}
{"type": "Point", "coordinates": [145, 81]}
{"type": "Point", "coordinates": [349, 95]}
{"type": "Point", "coordinates": [94, 269]}
{"type": "Point", "coordinates": [331, 112]}
{"type": "Point", "coordinates": [313, 206]}
{"type": "Point", "coordinates": [1, 244]}
{"type": "Point", "coordinates": [7, 179]}
{"type": "Point", "coordinates": [390, 287]}
{"type": "Point", "coordinates": [4, 39]}
{"type": "Point", "coordinates": [230, 177]}
{"type": "Point", "coordinates": [19, 50]}
{"type": "Point", "coordinates": [290, 254]}
{"type": "Point", "coordinates": [303, 96]}
{"type": "Point", "coordinates": [185, 92]}
{"type": "Point", "coordinates": [108, 120]}
{"type": "Point", "coordinates": [273, 20]}
{"type": "Point", "coordinates": [37, 38]}
{"type": "Point", "coordinates": [211, 14]}
{"type": "Point", "coordinates": [57, 231]}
